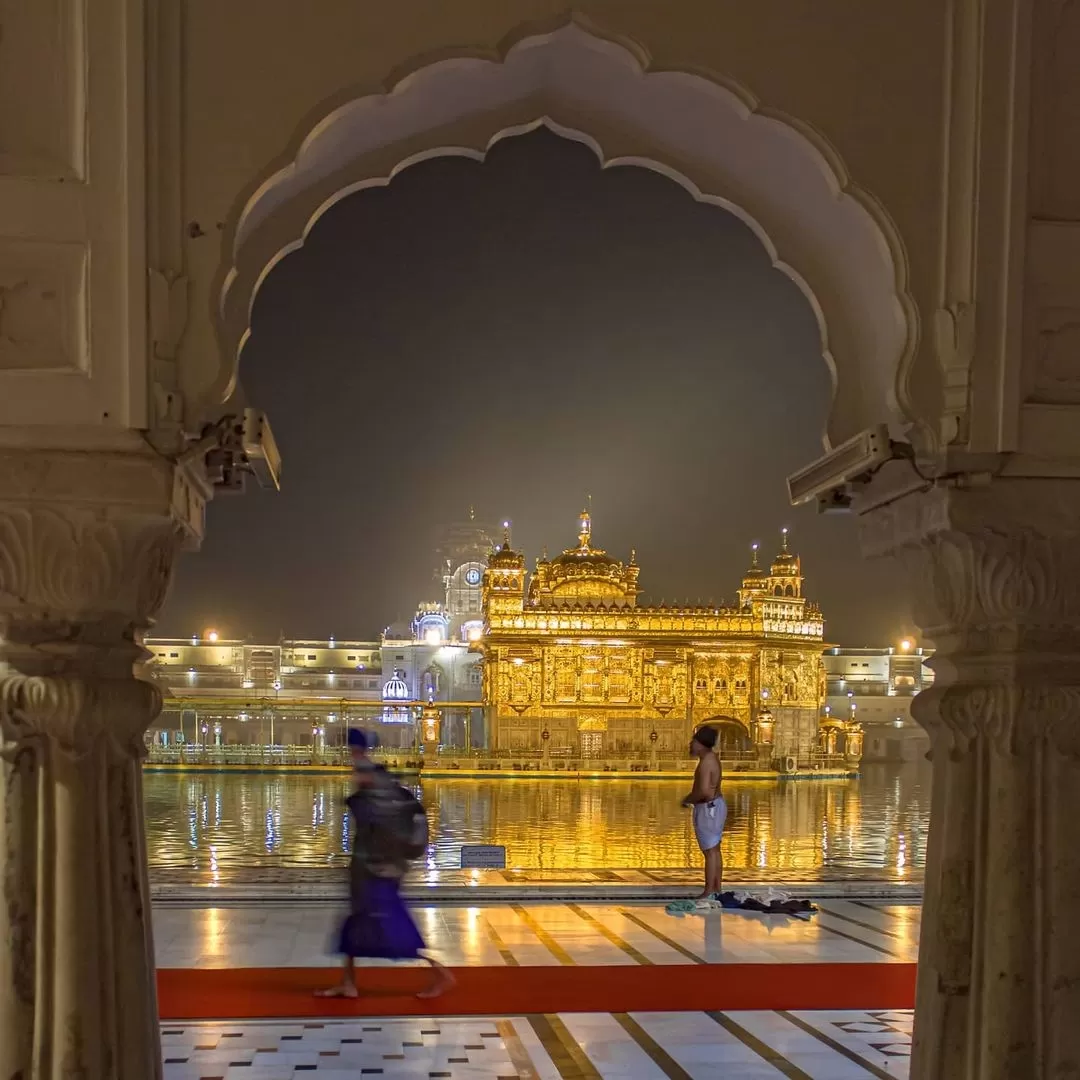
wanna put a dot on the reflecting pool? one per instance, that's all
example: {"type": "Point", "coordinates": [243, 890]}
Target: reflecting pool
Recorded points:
{"type": "Point", "coordinates": [216, 821]}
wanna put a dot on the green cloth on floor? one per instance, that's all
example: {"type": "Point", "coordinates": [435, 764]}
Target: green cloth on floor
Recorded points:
{"type": "Point", "coordinates": [681, 907]}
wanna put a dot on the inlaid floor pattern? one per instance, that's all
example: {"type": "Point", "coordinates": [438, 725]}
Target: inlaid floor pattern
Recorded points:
{"type": "Point", "coordinates": [577, 1046]}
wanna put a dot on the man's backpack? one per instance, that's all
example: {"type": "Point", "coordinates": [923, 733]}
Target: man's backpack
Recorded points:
{"type": "Point", "coordinates": [413, 828]}
{"type": "Point", "coordinates": [396, 832]}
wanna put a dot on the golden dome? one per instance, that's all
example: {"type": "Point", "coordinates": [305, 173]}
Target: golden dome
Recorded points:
{"type": "Point", "coordinates": [755, 575]}
{"type": "Point", "coordinates": [785, 564]}
{"type": "Point", "coordinates": [505, 556]}
{"type": "Point", "coordinates": [586, 573]}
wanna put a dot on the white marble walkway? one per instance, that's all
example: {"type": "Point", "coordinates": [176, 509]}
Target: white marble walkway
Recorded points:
{"type": "Point", "coordinates": [541, 934]}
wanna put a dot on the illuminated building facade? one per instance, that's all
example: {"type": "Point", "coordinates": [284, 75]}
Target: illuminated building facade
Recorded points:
{"type": "Point", "coordinates": [222, 693]}
{"type": "Point", "coordinates": [876, 686]}
{"type": "Point", "coordinates": [575, 667]}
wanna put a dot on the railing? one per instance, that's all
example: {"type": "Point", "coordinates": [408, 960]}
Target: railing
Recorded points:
{"type": "Point", "coordinates": [478, 760]}
{"type": "Point", "coordinates": [247, 755]}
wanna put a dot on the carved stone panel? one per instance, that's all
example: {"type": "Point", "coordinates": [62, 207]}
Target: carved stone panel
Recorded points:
{"type": "Point", "coordinates": [43, 301]}
{"type": "Point", "coordinates": [43, 89]}
{"type": "Point", "coordinates": [1053, 300]}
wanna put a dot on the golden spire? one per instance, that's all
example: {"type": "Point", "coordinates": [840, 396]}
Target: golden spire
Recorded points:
{"type": "Point", "coordinates": [755, 573]}
{"type": "Point", "coordinates": [472, 513]}
{"type": "Point", "coordinates": [506, 535]}
{"type": "Point", "coordinates": [585, 528]}
{"type": "Point", "coordinates": [783, 543]}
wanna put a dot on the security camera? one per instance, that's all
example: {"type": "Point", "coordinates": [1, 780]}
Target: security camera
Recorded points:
{"type": "Point", "coordinates": [235, 447]}
{"type": "Point", "coordinates": [259, 449]}
{"type": "Point", "coordinates": [836, 501]}
{"type": "Point", "coordinates": [828, 479]}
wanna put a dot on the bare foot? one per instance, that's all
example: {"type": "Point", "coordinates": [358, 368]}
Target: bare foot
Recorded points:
{"type": "Point", "coordinates": [443, 981]}
{"type": "Point", "coordinates": [345, 990]}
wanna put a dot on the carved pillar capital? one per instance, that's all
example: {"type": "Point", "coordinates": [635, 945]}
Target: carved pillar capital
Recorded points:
{"type": "Point", "coordinates": [995, 584]}
{"type": "Point", "coordinates": [88, 539]}
{"type": "Point", "coordinates": [87, 546]}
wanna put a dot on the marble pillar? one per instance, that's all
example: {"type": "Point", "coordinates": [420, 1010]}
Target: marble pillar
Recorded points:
{"type": "Point", "coordinates": [87, 545]}
{"type": "Point", "coordinates": [996, 584]}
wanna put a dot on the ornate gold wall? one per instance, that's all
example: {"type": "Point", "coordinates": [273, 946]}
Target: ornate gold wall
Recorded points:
{"type": "Point", "coordinates": [572, 654]}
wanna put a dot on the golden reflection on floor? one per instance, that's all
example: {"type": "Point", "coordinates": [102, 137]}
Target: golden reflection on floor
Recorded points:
{"type": "Point", "coordinates": [208, 821]}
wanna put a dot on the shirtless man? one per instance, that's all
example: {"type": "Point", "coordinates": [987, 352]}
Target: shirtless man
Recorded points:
{"type": "Point", "coordinates": [710, 810]}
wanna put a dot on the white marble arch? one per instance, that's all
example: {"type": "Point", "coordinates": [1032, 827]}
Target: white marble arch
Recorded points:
{"type": "Point", "coordinates": [712, 137]}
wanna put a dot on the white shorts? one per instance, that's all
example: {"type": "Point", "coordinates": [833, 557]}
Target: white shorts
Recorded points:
{"type": "Point", "coordinates": [709, 821]}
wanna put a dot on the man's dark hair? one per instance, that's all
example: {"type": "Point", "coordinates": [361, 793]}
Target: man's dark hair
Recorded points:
{"type": "Point", "coordinates": [706, 736]}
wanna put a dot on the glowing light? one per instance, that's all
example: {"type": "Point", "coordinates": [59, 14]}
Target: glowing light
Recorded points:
{"type": "Point", "coordinates": [905, 644]}
{"type": "Point", "coordinates": [518, 661]}
{"type": "Point", "coordinates": [211, 636]}
{"type": "Point", "coordinates": [475, 633]}
{"type": "Point", "coordinates": [432, 636]}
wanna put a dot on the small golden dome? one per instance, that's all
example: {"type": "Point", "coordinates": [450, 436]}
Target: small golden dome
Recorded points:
{"type": "Point", "coordinates": [785, 564]}
{"type": "Point", "coordinates": [505, 556]}
{"type": "Point", "coordinates": [753, 577]}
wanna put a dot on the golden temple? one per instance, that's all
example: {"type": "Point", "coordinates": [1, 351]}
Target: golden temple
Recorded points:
{"type": "Point", "coordinates": [574, 666]}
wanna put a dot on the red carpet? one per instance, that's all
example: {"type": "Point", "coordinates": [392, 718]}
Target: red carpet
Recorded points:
{"type": "Point", "coordinates": [253, 993]}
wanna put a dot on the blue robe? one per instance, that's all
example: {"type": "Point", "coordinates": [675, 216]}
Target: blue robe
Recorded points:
{"type": "Point", "coordinates": [379, 925]}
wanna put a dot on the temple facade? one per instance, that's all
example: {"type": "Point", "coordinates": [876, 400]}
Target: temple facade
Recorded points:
{"type": "Point", "coordinates": [574, 666]}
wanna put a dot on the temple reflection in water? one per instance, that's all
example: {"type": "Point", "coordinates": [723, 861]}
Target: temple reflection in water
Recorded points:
{"type": "Point", "coordinates": [205, 822]}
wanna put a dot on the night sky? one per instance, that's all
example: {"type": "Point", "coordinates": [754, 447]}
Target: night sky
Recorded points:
{"type": "Point", "coordinates": [515, 335]}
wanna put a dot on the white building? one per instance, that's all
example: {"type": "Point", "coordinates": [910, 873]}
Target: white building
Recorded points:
{"type": "Point", "coordinates": [305, 693]}
{"type": "Point", "coordinates": [876, 686]}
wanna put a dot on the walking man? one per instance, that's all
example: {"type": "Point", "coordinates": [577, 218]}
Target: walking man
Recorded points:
{"type": "Point", "coordinates": [710, 809]}
{"type": "Point", "coordinates": [389, 829]}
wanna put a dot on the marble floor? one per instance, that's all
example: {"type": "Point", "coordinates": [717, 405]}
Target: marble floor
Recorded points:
{"type": "Point", "coordinates": [576, 1046]}
{"type": "Point", "coordinates": [296, 935]}
{"type": "Point", "coordinates": [819, 1045]}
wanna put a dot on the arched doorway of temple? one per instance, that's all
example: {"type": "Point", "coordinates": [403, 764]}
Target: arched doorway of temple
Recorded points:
{"type": "Point", "coordinates": [809, 219]}
{"type": "Point", "coordinates": [732, 738]}
{"type": "Point", "coordinates": [483, 362]}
